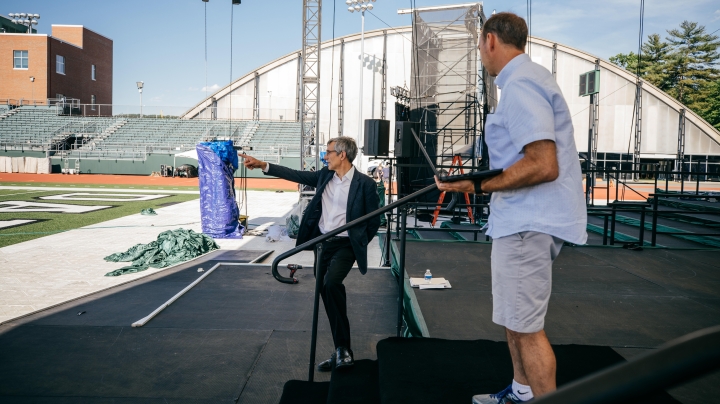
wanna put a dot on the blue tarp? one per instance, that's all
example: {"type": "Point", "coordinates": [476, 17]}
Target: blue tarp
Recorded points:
{"type": "Point", "coordinates": [219, 213]}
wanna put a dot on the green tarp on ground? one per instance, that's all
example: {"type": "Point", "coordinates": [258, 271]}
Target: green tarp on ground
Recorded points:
{"type": "Point", "coordinates": [171, 247]}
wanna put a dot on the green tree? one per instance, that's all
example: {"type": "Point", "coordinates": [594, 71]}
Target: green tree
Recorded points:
{"type": "Point", "coordinates": [712, 111]}
{"type": "Point", "coordinates": [626, 61]}
{"type": "Point", "coordinates": [654, 62]}
{"type": "Point", "coordinates": [692, 66]}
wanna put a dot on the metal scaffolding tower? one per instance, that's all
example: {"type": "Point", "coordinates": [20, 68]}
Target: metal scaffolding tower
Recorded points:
{"type": "Point", "coordinates": [310, 105]}
{"type": "Point", "coordinates": [681, 142]}
{"type": "Point", "coordinates": [638, 126]}
{"type": "Point", "coordinates": [446, 80]}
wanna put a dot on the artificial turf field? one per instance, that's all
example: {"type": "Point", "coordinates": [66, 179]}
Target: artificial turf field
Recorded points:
{"type": "Point", "coordinates": [47, 222]}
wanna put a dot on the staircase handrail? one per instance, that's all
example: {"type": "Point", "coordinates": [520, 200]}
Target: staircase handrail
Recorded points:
{"type": "Point", "coordinates": [400, 202]}
{"type": "Point", "coordinates": [676, 362]}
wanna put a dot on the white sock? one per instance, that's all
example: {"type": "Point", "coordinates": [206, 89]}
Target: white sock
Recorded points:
{"type": "Point", "coordinates": [522, 391]}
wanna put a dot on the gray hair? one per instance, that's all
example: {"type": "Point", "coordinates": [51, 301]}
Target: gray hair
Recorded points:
{"type": "Point", "coordinates": [345, 144]}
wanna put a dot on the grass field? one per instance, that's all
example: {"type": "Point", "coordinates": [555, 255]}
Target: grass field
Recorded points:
{"type": "Point", "coordinates": [51, 222]}
{"type": "Point", "coordinates": [100, 186]}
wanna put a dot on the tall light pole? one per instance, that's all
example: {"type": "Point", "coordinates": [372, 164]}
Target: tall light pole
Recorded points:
{"type": "Point", "coordinates": [32, 80]}
{"type": "Point", "coordinates": [360, 6]}
{"type": "Point", "coordinates": [27, 19]}
{"type": "Point", "coordinates": [140, 87]}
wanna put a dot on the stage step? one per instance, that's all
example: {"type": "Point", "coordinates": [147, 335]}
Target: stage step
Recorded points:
{"type": "Point", "coordinates": [302, 392]}
{"type": "Point", "coordinates": [430, 370]}
{"type": "Point", "coordinates": [355, 385]}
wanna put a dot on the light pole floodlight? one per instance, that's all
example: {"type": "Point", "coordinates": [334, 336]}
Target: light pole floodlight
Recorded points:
{"type": "Point", "coordinates": [140, 85]}
{"type": "Point", "coordinates": [369, 6]}
{"type": "Point", "coordinates": [351, 9]}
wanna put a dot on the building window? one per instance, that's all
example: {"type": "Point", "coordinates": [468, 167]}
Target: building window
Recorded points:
{"type": "Point", "coordinates": [20, 59]}
{"type": "Point", "coordinates": [93, 72]}
{"type": "Point", "coordinates": [60, 64]}
{"type": "Point", "coordinates": [92, 98]}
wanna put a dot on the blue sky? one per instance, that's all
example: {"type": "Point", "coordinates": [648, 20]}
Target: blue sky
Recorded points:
{"type": "Point", "coordinates": [161, 42]}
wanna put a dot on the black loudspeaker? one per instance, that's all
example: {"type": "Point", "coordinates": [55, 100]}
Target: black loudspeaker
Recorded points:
{"type": "Point", "coordinates": [377, 137]}
{"type": "Point", "coordinates": [405, 143]}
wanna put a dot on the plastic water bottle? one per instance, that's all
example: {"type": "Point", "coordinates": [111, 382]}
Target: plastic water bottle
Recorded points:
{"type": "Point", "coordinates": [428, 276]}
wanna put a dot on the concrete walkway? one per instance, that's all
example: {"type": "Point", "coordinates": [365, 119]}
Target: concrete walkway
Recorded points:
{"type": "Point", "coordinates": [47, 271]}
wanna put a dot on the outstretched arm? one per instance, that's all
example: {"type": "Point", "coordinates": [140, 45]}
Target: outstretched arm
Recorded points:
{"type": "Point", "coordinates": [309, 178]}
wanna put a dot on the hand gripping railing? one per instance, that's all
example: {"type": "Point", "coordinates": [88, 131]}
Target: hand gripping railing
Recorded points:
{"type": "Point", "coordinates": [319, 270]}
{"type": "Point", "coordinates": [674, 363]}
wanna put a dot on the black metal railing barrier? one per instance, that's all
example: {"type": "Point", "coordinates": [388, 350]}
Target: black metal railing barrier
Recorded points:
{"type": "Point", "coordinates": [319, 275]}
{"type": "Point", "coordinates": [674, 363]}
{"type": "Point", "coordinates": [658, 213]}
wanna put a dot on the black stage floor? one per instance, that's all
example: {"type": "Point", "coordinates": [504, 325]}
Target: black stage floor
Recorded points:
{"type": "Point", "coordinates": [238, 336]}
{"type": "Point", "coordinates": [631, 301]}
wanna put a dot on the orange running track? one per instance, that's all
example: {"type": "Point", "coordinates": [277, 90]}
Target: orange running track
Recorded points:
{"type": "Point", "coordinates": [252, 183]}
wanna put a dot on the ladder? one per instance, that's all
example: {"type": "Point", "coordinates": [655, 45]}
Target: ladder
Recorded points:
{"type": "Point", "coordinates": [456, 161]}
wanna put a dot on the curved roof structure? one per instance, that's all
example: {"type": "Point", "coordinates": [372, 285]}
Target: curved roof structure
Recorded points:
{"type": "Point", "coordinates": [271, 92]}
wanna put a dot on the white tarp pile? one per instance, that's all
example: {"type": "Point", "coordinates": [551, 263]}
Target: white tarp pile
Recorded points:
{"type": "Point", "coordinates": [30, 165]}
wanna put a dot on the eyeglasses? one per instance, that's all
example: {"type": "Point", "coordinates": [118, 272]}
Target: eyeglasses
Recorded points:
{"type": "Point", "coordinates": [332, 151]}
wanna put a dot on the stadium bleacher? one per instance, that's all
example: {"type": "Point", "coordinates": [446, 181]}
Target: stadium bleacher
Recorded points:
{"type": "Point", "coordinates": [41, 128]}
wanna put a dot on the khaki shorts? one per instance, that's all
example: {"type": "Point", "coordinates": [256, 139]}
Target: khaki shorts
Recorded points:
{"type": "Point", "coordinates": [521, 266]}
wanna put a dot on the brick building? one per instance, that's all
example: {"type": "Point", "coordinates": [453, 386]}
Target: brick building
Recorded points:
{"type": "Point", "coordinates": [74, 62]}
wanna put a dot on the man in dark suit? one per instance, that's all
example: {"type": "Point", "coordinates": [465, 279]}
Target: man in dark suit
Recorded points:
{"type": "Point", "coordinates": [342, 195]}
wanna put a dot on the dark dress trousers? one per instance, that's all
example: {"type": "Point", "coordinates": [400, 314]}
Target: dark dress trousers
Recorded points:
{"type": "Point", "coordinates": [338, 254]}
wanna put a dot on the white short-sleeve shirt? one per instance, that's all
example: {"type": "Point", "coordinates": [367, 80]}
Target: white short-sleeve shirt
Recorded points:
{"type": "Point", "coordinates": [533, 108]}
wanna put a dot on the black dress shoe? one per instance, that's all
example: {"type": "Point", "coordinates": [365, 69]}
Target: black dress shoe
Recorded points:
{"type": "Point", "coordinates": [326, 366]}
{"type": "Point", "coordinates": [343, 358]}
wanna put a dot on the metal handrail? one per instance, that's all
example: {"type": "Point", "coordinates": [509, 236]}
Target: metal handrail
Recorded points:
{"type": "Point", "coordinates": [676, 362]}
{"type": "Point", "coordinates": [341, 229]}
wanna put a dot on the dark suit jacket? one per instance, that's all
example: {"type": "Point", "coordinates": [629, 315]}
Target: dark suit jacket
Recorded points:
{"type": "Point", "coordinates": [362, 199]}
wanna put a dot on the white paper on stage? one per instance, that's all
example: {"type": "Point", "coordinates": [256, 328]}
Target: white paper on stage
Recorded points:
{"type": "Point", "coordinates": [435, 283]}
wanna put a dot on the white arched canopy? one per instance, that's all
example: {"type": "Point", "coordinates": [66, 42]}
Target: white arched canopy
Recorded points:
{"type": "Point", "coordinates": [271, 92]}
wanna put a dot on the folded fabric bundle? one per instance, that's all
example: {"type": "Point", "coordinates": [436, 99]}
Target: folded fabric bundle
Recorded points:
{"type": "Point", "coordinates": [171, 247]}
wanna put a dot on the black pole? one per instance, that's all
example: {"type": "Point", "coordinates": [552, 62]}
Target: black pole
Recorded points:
{"type": "Point", "coordinates": [319, 275]}
{"type": "Point", "coordinates": [612, 227]}
{"type": "Point", "coordinates": [401, 270]}
{"type": "Point", "coordinates": [642, 225]}
{"type": "Point", "coordinates": [617, 182]}
{"type": "Point", "coordinates": [657, 166]}
{"type": "Point", "coordinates": [605, 229]}
{"type": "Point", "coordinates": [386, 247]}
{"type": "Point", "coordinates": [653, 236]}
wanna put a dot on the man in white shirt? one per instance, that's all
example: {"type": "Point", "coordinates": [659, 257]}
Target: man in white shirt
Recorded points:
{"type": "Point", "coordinates": [342, 195]}
{"type": "Point", "coordinates": [537, 202]}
